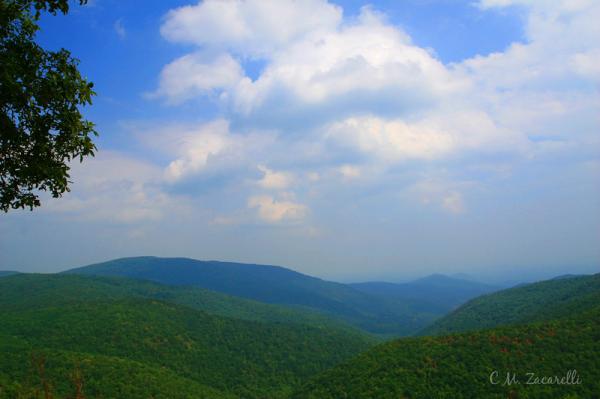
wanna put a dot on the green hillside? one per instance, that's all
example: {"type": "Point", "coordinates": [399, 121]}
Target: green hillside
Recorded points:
{"type": "Point", "coordinates": [460, 366]}
{"type": "Point", "coordinates": [36, 290]}
{"type": "Point", "coordinates": [122, 341]}
{"type": "Point", "coordinates": [545, 300]}
{"type": "Point", "coordinates": [275, 285]}
{"type": "Point", "coordinates": [103, 376]}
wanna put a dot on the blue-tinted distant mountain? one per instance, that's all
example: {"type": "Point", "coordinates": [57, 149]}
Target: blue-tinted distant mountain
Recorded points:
{"type": "Point", "coordinates": [276, 285]}
{"type": "Point", "coordinates": [436, 293]}
{"type": "Point", "coordinates": [463, 276]}
{"type": "Point", "coordinates": [4, 273]}
{"type": "Point", "coordinates": [567, 276]}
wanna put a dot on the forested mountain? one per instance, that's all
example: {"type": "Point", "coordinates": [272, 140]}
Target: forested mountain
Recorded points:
{"type": "Point", "coordinates": [436, 293]}
{"type": "Point", "coordinates": [4, 273]}
{"type": "Point", "coordinates": [65, 289]}
{"type": "Point", "coordinates": [475, 365]}
{"type": "Point", "coordinates": [137, 347]}
{"type": "Point", "coordinates": [275, 285]}
{"type": "Point", "coordinates": [532, 302]}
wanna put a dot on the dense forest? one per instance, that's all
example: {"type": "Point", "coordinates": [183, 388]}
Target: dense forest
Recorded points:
{"type": "Point", "coordinates": [474, 365]}
{"type": "Point", "coordinates": [545, 300]}
{"type": "Point", "coordinates": [170, 342]}
{"type": "Point", "coordinates": [80, 335]}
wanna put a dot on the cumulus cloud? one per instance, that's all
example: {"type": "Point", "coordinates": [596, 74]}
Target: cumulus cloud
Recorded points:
{"type": "Point", "coordinates": [206, 147]}
{"type": "Point", "coordinates": [313, 63]}
{"type": "Point", "coordinates": [391, 140]}
{"type": "Point", "coordinates": [274, 180]}
{"type": "Point", "coordinates": [358, 94]}
{"type": "Point", "coordinates": [365, 64]}
{"type": "Point", "coordinates": [272, 210]}
{"type": "Point", "coordinates": [197, 74]}
{"type": "Point", "coordinates": [196, 147]}
{"type": "Point", "coordinates": [252, 27]}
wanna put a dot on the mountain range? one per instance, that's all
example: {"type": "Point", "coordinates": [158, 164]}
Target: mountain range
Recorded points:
{"type": "Point", "coordinates": [366, 306]}
{"type": "Point", "coordinates": [181, 328]}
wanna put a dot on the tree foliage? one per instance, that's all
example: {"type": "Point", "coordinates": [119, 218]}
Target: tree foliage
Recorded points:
{"type": "Point", "coordinates": [540, 301]}
{"type": "Point", "coordinates": [41, 93]}
{"type": "Point", "coordinates": [478, 364]}
{"type": "Point", "coordinates": [122, 337]}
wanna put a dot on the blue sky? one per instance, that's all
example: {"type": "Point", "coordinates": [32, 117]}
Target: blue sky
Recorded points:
{"type": "Point", "coordinates": [347, 140]}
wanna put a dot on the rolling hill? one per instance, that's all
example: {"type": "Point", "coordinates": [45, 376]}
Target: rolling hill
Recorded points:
{"type": "Point", "coordinates": [274, 285]}
{"type": "Point", "coordinates": [119, 341]}
{"type": "Point", "coordinates": [66, 289]}
{"type": "Point", "coordinates": [545, 300]}
{"type": "Point", "coordinates": [475, 365]}
{"type": "Point", "coordinates": [4, 273]}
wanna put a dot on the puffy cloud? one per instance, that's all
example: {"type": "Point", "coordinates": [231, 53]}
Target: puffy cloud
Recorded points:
{"type": "Point", "coordinates": [196, 147]}
{"type": "Point", "coordinates": [365, 64]}
{"type": "Point", "coordinates": [561, 36]}
{"type": "Point", "coordinates": [391, 140]}
{"type": "Point", "coordinates": [368, 63]}
{"type": "Point", "coordinates": [252, 27]}
{"type": "Point", "coordinates": [358, 95]}
{"type": "Point", "coordinates": [196, 74]}
{"type": "Point", "coordinates": [275, 211]}
{"type": "Point", "coordinates": [274, 180]}
{"type": "Point", "coordinates": [206, 147]}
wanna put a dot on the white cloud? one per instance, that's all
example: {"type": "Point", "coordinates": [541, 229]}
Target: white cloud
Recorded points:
{"type": "Point", "coordinates": [369, 62]}
{"type": "Point", "coordinates": [197, 74]}
{"type": "Point", "coordinates": [196, 147]}
{"type": "Point", "coordinates": [252, 27]}
{"type": "Point", "coordinates": [207, 147]}
{"type": "Point", "coordinates": [392, 140]}
{"type": "Point", "coordinates": [317, 62]}
{"type": "Point", "coordinates": [274, 180]}
{"type": "Point", "coordinates": [360, 96]}
{"type": "Point", "coordinates": [112, 187]}
{"type": "Point", "coordinates": [349, 172]}
{"type": "Point", "coordinates": [275, 211]}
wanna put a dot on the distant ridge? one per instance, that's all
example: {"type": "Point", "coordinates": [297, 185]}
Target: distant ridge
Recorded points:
{"type": "Point", "coordinates": [4, 273]}
{"type": "Point", "coordinates": [437, 293]}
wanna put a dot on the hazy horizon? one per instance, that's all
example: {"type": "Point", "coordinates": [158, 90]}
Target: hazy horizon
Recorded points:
{"type": "Point", "coordinates": [346, 141]}
{"type": "Point", "coordinates": [502, 277]}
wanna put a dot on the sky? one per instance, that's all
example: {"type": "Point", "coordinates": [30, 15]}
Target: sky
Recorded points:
{"type": "Point", "coordinates": [347, 140]}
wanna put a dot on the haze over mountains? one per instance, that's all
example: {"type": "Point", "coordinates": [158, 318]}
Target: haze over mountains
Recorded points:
{"type": "Point", "coordinates": [438, 291]}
